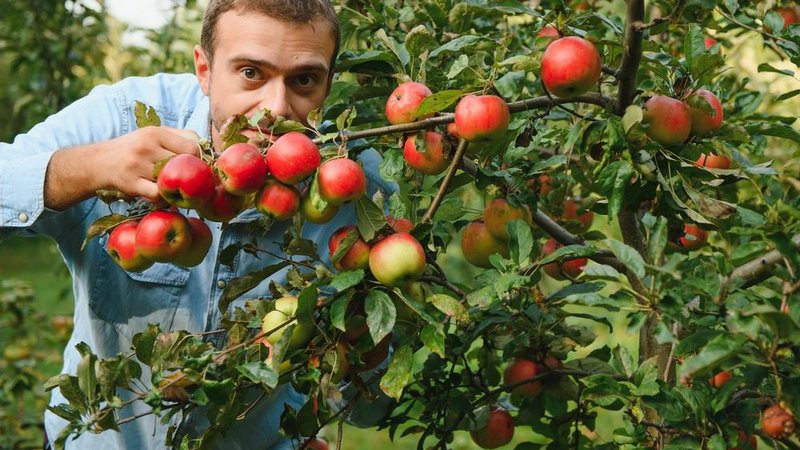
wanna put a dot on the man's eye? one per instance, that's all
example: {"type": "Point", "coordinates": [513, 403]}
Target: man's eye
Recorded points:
{"type": "Point", "coordinates": [306, 80]}
{"type": "Point", "coordinates": [250, 73]}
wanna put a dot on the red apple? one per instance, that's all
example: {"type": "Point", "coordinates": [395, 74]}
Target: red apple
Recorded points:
{"type": "Point", "coordinates": [278, 200]}
{"type": "Point", "coordinates": [293, 158]}
{"type": "Point", "coordinates": [401, 225]}
{"type": "Point", "coordinates": [709, 42]}
{"type": "Point", "coordinates": [499, 430]}
{"type": "Point", "coordinates": [572, 268]}
{"type": "Point", "coordinates": [341, 180]}
{"type": "Point", "coordinates": [521, 369]}
{"type": "Point", "coordinates": [703, 122]}
{"type": "Point", "coordinates": [478, 244]}
{"type": "Point", "coordinates": [499, 213]}
{"type": "Point", "coordinates": [401, 107]}
{"type": "Point", "coordinates": [789, 16]}
{"type": "Point", "coordinates": [397, 260]}
{"type": "Point", "coordinates": [777, 422]}
{"type": "Point", "coordinates": [313, 214]}
{"type": "Point", "coordinates": [121, 246]}
{"type": "Point", "coordinates": [201, 242]}
{"type": "Point", "coordinates": [163, 235]}
{"type": "Point", "coordinates": [452, 129]}
{"type": "Point", "coordinates": [549, 31]}
{"type": "Point", "coordinates": [571, 209]}
{"type": "Point", "coordinates": [316, 444]}
{"type": "Point", "coordinates": [481, 117]}
{"type": "Point", "coordinates": [432, 160]}
{"type": "Point", "coordinates": [667, 120]}
{"type": "Point", "coordinates": [694, 237]}
{"type": "Point", "coordinates": [242, 169]}
{"type": "Point", "coordinates": [746, 442]}
{"type": "Point", "coordinates": [570, 66]}
{"type": "Point", "coordinates": [355, 258]}
{"type": "Point", "coordinates": [541, 184]}
{"type": "Point", "coordinates": [222, 207]}
{"type": "Point", "coordinates": [713, 161]}
{"type": "Point", "coordinates": [721, 378]}
{"type": "Point", "coordinates": [186, 181]}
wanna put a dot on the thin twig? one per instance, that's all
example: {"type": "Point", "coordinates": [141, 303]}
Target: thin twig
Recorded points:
{"type": "Point", "coordinates": [448, 178]}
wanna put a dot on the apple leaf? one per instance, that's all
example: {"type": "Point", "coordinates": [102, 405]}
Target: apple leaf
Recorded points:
{"type": "Point", "coordinates": [628, 255]}
{"type": "Point", "coordinates": [230, 131]}
{"type": "Point", "coordinates": [103, 225]}
{"type": "Point", "coordinates": [283, 126]}
{"type": "Point", "coordinates": [143, 343]}
{"type": "Point", "coordinates": [718, 350]}
{"type": "Point", "coordinates": [449, 306]}
{"type": "Point", "coordinates": [614, 182]}
{"type": "Point", "coordinates": [344, 246]}
{"type": "Point", "coordinates": [399, 372]}
{"type": "Point", "coordinates": [398, 48]}
{"type": "Point", "coordinates": [458, 44]}
{"type": "Point", "coordinates": [370, 218]}
{"type": "Point", "coordinates": [433, 338]}
{"type": "Point", "coordinates": [259, 372]}
{"type": "Point", "coordinates": [240, 285]}
{"type": "Point", "coordinates": [381, 314]}
{"type": "Point", "coordinates": [658, 239]}
{"type": "Point", "coordinates": [521, 241]}
{"type": "Point", "coordinates": [339, 310]}
{"type": "Point", "coordinates": [347, 279]}
{"type": "Point", "coordinates": [146, 115]}
{"type": "Point", "coordinates": [633, 115]}
{"type": "Point", "coordinates": [306, 305]}
{"type": "Point", "coordinates": [419, 39]}
{"type": "Point", "coordinates": [438, 102]}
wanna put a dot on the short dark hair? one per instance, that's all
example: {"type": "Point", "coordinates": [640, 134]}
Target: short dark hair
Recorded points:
{"type": "Point", "coordinates": [290, 11]}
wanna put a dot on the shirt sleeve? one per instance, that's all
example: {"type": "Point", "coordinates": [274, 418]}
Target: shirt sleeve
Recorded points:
{"type": "Point", "coordinates": [99, 116]}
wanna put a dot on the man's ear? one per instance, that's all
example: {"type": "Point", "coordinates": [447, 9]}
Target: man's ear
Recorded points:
{"type": "Point", "coordinates": [202, 68]}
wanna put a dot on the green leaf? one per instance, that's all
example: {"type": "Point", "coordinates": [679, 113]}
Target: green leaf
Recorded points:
{"type": "Point", "coordinates": [521, 241]}
{"type": "Point", "coordinates": [397, 48]}
{"type": "Point", "coordinates": [146, 115]}
{"type": "Point", "coordinates": [345, 245]}
{"type": "Point", "coordinates": [614, 182]}
{"type": "Point", "coordinates": [399, 372]}
{"type": "Point", "coordinates": [658, 240]}
{"type": "Point", "coordinates": [458, 45]}
{"type": "Point", "coordinates": [240, 285]}
{"type": "Point", "coordinates": [774, 129]}
{"type": "Point", "coordinates": [347, 279]}
{"type": "Point", "coordinates": [449, 306]}
{"type": "Point", "coordinates": [103, 225]}
{"type": "Point", "coordinates": [392, 165]}
{"type": "Point", "coordinates": [259, 372]}
{"type": "Point", "coordinates": [433, 338]}
{"type": "Point", "coordinates": [628, 255]}
{"type": "Point", "coordinates": [339, 311]}
{"type": "Point", "coordinates": [716, 352]}
{"type": "Point", "coordinates": [773, 21]}
{"type": "Point", "coordinates": [567, 252]}
{"type": "Point", "coordinates": [306, 305]}
{"type": "Point", "coordinates": [633, 115]}
{"type": "Point", "coordinates": [438, 102]}
{"type": "Point", "coordinates": [788, 95]}
{"type": "Point", "coordinates": [419, 39]}
{"type": "Point", "coordinates": [87, 378]}
{"type": "Point", "coordinates": [144, 342]}
{"type": "Point", "coordinates": [458, 66]}
{"type": "Point", "coordinates": [549, 163]}
{"type": "Point", "coordinates": [381, 314]}
{"type": "Point", "coordinates": [370, 218]}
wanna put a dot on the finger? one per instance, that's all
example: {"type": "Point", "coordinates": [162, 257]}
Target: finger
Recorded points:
{"type": "Point", "coordinates": [185, 133]}
{"type": "Point", "coordinates": [176, 143]}
{"type": "Point", "coordinates": [147, 189]}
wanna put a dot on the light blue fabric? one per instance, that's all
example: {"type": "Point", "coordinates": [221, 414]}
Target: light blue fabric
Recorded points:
{"type": "Point", "coordinates": [111, 305]}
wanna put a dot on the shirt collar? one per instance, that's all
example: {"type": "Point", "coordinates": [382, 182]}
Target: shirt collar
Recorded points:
{"type": "Point", "coordinates": [199, 120]}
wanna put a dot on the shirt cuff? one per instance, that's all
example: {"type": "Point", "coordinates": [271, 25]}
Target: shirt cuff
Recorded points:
{"type": "Point", "coordinates": [22, 189]}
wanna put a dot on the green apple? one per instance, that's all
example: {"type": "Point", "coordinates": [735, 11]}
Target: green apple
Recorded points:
{"type": "Point", "coordinates": [285, 308]}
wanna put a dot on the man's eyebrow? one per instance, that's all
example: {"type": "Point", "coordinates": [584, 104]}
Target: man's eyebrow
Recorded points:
{"type": "Point", "coordinates": [305, 67]}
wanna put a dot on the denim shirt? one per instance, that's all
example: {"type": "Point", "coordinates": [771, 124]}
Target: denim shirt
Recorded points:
{"type": "Point", "coordinates": [112, 305]}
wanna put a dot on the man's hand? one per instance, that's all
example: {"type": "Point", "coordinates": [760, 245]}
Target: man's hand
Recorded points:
{"type": "Point", "coordinates": [124, 164]}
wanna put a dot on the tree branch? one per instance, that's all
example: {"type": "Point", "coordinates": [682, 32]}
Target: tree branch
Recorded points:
{"type": "Point", "coordinates": [451, 172]}
{"type": "Point", "coordinates": [753, 271]}
{"type": "Point", "coordinates": [631, 55]}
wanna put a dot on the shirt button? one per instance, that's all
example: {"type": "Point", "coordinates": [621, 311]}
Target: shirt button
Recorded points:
{"type": "Point", "coordinates": [23, 218]}
{"type": "Point", "coordinates": [221, 284]}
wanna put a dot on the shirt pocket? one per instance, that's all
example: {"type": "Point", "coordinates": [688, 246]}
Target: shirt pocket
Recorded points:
{"type": "Point", "coordinates": [132, 300]}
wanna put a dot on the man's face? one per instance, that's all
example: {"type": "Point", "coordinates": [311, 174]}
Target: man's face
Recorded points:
{"type": "Point", "coordinates": [260, 62]}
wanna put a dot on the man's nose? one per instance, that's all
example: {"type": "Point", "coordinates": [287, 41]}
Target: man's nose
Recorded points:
{"type": "Point", "coordinates": [276, 98]}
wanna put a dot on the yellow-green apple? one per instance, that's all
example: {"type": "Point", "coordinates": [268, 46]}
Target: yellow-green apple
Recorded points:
{"type": "Point", "coordinates": [667, 121]}
{"type": "Point", "coordinates": [397, 260]}
{"type": "Point", "coordinates": [777, 422]}
{"type": "Point", "coordinates": [713, 161]}
{"type": "Point", "coordinates": [570, 66]}
{"type": "Point", "coordinates": [201, 242]}
{"type": "Point", "coordinates": [358, 255]}
{"type": "Point", "coordinates": [481, 117]}
{"type": "Point", "coordinates": [574, 211]}
{"type": "Point", "coordinates": [433, 159]}
{"type": "Point", "coordinates": [721, 378]}
{"type": "Point", "coordinates": [241, 169]}
{"type": "Point", "coordinates": [549, 31]}
{"type": "Point", "coordinates": [285, 309]}
{"type": "Point", "coordinates": [499, 430]}
{"type": "Point", "coordinates": [478, 244]}
{"type": "Point", "coordinates": [571, 268]}
{"type": "Point", "coordinates": [162, 235]}
{"type": "Point", "coordinates": [340, 365]}
{"type": "Point", "coordinates": [222, 207]}
{"type": "Point", "coordinates": [703, 122]}
{"type": "Point", "coordinates": [521, 369]}
{"type": "Point", "coordinates": [313, 214]}
{"type": "Point", "coordinates": [186, 181]}
{"type": "Point", "coordinates": [278, 200]}
{"type": "Point", "coordinates": [316, 444]}
{"type": "Point", "coordinates": [499, 213]}
{"type": "Point", "coordinates": [401, 107]}
{"type": "Point", "coordinates": [341, 180]}
{"type": "Point", "coordinates": [293, 158]}
{"type": "Point", "coordinates": [121, 246]}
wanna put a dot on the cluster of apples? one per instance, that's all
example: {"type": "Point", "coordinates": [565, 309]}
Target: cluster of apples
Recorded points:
{"type": "Point", "coordinates": [395, 260]}
{"type": "Point", "coordinates": [219, 191]}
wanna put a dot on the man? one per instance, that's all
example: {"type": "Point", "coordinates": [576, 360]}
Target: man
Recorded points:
{"type": "Point", "coordinates": [254, 54]}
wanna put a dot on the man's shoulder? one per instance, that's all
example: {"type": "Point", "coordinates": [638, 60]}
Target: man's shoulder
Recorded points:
{"type": "Point", "coordinates": [169, 93]}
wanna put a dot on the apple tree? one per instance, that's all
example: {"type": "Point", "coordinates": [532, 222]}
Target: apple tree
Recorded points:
{"type": "Point", "coordinates": [594, 237]}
